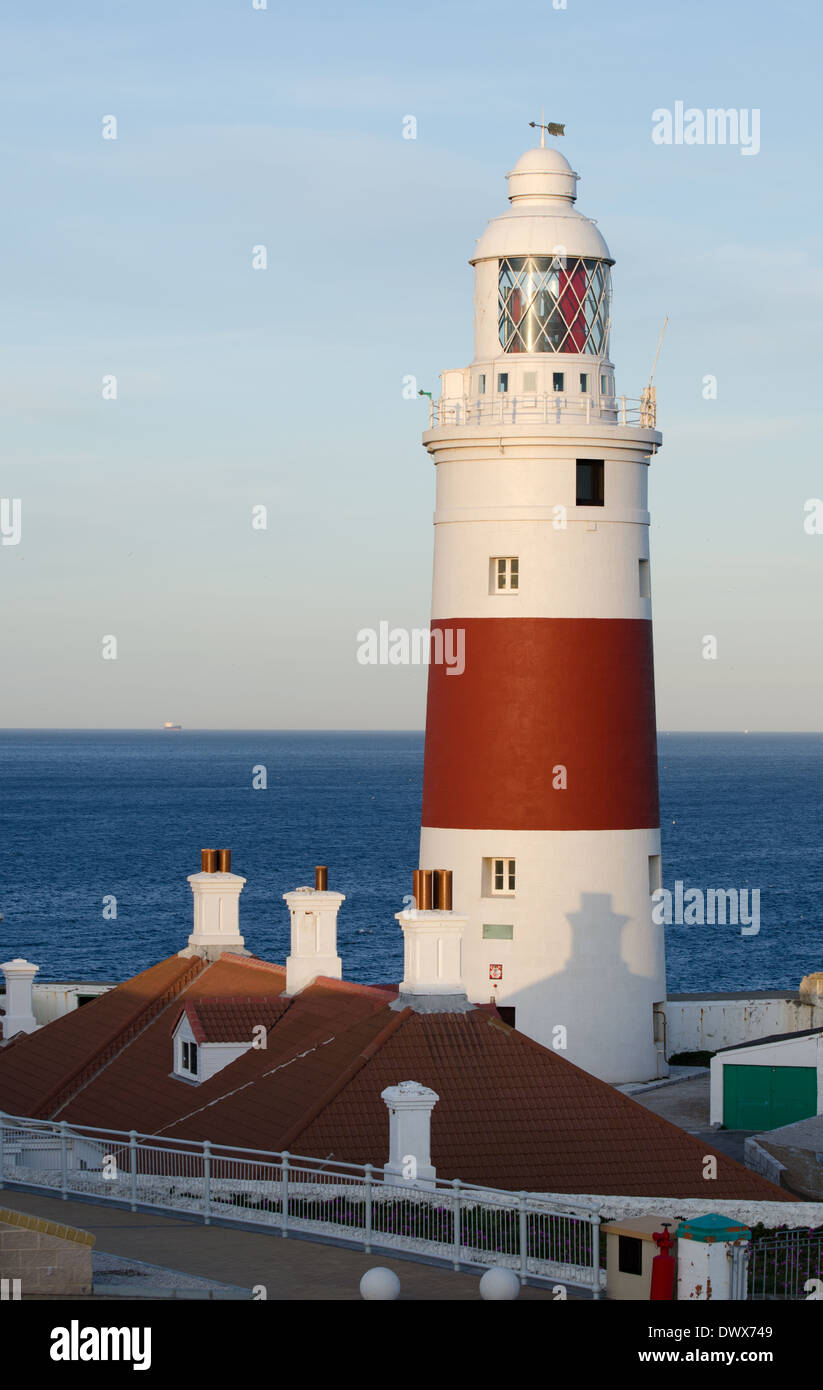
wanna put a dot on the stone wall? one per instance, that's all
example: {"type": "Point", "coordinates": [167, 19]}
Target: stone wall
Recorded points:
{"type": "Point", "coordinates": [46, 1257]}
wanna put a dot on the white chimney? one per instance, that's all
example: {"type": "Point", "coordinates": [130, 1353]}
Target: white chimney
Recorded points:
{"type": "Point", "coordinates": [410, 1108]}
{"type": "Point", "coordinates": [216, 893]}
{"type": "Point", "coordinates": [19, 1017]}
{"type": "Point", "coordinates": [433, 968]}
{"type": "Point", "coordinates": [313, 933]}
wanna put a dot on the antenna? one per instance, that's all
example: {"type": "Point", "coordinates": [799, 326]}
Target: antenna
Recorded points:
{"type": "Point", "coordinates": [648, 396]}
{"type": "Point", "coordinates": [659, 346]}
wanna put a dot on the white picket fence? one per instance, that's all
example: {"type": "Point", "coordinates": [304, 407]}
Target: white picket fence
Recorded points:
{"type": "Point", "coordinates": [297, 1196]}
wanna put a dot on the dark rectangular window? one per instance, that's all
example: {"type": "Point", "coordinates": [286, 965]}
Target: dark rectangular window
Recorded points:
{"type": "Point", "coordinates": [502, 381]}
{"type": "Point", "coordinates": [507, 1013]}
{"type": "Point", "coordinates": [590, 482]}
{"type": "Point", "coordinates": [630, 1255]}
{"type": "Point", "coordinates": [557, 381]}
{"type": "Point", "coordinates": [190, 1057]}
{"type": "Point", "coordinates": [584, 382]}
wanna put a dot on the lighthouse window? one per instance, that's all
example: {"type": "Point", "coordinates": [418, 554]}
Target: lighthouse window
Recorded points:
{"type": "Point", "coordinates": [554, 305]}
{"type": "Point", "coordinates": [502, 381]}
{"type": "Point", "coordinates": [584, 383]}
{"type": "Point", "coordinates": [645, 585]}
{"type": "Point", "coordinates": [590, 487]}
{"type": "Point", "coordinates": [605, 388]}
{"type": "Point", "coordinates": [481, 384]}
{"type": "Point", "coordinates": [505, 573]}
{"type": "Point", "coordinates": [502, 876]}
{"type": "Point", "coordinates": [557, 381]}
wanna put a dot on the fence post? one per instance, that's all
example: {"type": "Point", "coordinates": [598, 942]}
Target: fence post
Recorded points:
{"type": "Point", "coordinates": [596, 1254]}
{"type": "Point", "coordinates": [2, 1147]}
{"type": "Point", "coordinates": [367, 1233]}
{"type": "Point", "coordinates": [524, 1237]}
{"type": "Point", "coordinates": [457, 1242]}
{"type": "Point", "coordinates": [284, 1193]}
{"type": "Point", "coordinates": [206, 1182]}
{"type": "Point", "coordinates": [133, 1168]}
{"type": "Point", "coordinates": [64, 1161]}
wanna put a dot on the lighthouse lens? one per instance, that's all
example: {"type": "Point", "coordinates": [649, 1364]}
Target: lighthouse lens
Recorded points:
{"type": "Point", "coordinates": [545, 306]}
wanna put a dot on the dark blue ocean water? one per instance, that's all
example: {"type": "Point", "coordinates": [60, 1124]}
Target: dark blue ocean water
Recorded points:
{"type": "Point", "coordinates": [83, 815]}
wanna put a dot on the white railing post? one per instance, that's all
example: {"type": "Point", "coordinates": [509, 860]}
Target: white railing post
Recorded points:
{"type": "Point", "coordinates": [206, 1182]}
{"type": "Point", "coordinates": [64, 1161]}
{"type": "Point", "coordinates": [524, 1236]}
{"type": "Point", "coordinates": [284, 1193]}
{"type": "Point", "coordinates": [133, 1168]}
{"type": "Point", "coordinates": [596, 1254]}
{"type": "Point", "coordinates": [588, 410]}
{"type": "Point", "coordinates": [456, 1250]}
{"type": "Point", "coordinates": [2, 1147]}
{"type": "Point", "coordinates": [368, 1218]}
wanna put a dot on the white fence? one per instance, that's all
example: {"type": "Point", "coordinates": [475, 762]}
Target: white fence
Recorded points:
{"type": "Point", "coordinates": [292, 1195]}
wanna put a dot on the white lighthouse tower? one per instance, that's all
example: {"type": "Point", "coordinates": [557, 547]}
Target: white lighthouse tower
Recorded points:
{"type": "Point", "coordinates": [540, 783]}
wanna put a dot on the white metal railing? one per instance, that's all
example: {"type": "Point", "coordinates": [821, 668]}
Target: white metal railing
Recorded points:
{"type": "Point", "coordinates": [550, 408]}
{"type": "Point", "coordinates": [294, 1195]}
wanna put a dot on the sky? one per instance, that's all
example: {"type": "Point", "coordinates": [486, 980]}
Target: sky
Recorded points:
{"type": "Point", "coordinates": [237, 387]}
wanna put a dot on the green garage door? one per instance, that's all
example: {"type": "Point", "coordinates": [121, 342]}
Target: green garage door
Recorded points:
{"type": "Point", "coordinates": [766, 1097]}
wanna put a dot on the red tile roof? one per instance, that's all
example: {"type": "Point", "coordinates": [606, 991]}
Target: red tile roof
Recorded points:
{"type": "Point", "coordinates": [511, 1113]}
{"type": "Point", "coordinates": [232, 1020]}
{"type": "Point", "coordinates": [52, 1062]}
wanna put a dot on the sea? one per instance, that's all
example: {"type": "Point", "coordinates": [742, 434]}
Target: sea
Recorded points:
{"type": "Point", "coordinates": [98, 823]}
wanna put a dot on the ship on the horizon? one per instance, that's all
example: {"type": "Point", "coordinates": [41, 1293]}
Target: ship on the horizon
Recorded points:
{"type": "Point", "coordinates": [172, 728]}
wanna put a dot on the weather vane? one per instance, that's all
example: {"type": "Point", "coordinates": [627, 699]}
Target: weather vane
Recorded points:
{"type": "Point", "coordinates": [552, 128]}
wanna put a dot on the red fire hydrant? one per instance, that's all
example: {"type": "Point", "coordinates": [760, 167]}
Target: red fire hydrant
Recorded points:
{"type": "Point", "coordinates": [664, 1265]}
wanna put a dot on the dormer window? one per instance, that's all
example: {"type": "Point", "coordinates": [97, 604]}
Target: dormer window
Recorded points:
{"type": "Point", "coordinates": [211, 1033]}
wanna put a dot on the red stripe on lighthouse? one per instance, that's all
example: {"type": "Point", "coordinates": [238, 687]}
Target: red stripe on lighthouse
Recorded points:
{"type": "Point", "coordinates": [537, 693]}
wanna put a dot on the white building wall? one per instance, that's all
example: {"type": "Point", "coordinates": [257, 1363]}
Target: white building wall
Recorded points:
{"type": "Point", "coordinates": [704, 1024]}
{"type": "Point", "coordinates": [573, 961]}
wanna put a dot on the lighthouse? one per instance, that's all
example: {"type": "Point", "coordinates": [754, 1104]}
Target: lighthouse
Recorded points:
{"type": "Point", "coordinates": [540, 779]}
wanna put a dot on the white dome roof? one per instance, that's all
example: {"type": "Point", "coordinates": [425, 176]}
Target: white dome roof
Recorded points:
{"type": "Point", "coordinates": [542, 218]}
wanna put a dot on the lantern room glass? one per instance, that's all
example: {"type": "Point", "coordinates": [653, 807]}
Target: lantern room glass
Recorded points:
{"type": "Point", "coordinates": [550, 304]}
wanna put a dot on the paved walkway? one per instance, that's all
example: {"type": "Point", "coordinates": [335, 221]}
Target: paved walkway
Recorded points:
{"type": "Point", "coordinates": [288, 1269]}
{"type": "Point", "coordinates": [686, 1104]}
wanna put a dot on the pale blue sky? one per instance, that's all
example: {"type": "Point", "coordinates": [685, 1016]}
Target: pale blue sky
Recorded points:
{"type": "Point", "coordinates": [284, 127]}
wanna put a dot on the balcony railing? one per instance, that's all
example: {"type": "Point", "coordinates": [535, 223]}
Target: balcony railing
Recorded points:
{"type": "Point", "coordinates": [295, 1196]}
{"type": "Point", "coordinates": [550, 408]}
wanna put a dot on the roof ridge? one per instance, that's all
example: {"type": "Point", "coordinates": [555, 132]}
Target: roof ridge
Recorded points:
{"type": "Point", "coordinates": [346, 986]}
{"type": "Point", "coordinates": [59, 1096]}
{"type": "Point", "coordinates": [254, 961]}
{"type": "Point", "coordinates": [348, 1074]}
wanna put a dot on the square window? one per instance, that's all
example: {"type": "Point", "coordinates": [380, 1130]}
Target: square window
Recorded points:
{"type": "Point", "coordinates": [590, 482]}
{"type": "Point", "coordinates": [558, 379]}
{"type": "Point", "coordinates": [584, 383]}
{"type": "Point", "coordinates": [505, 574]}
{"type": "Point", "coordinates": [501, 878]}
{"type": "Point", "coordinates": [502, 381]}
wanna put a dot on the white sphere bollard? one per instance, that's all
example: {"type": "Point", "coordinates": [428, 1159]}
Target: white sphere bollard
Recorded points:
{"type": "Point", "coordinates": [499, 1285]}
{"type": "Point", "coordinates": [379, 1285]}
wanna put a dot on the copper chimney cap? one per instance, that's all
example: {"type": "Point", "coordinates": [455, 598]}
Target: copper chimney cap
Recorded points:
{"type": "Point", "coordinates": [208, 861]}
{"type": "Point", "coordinates": [443, 889]}
{"type": "Point", "coordinates": [321, 878]}
{"type": "Point", "coordinates": [426, 899]}
{"type": "Point", "coordinates": [224, 861]}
